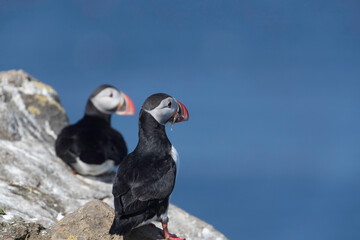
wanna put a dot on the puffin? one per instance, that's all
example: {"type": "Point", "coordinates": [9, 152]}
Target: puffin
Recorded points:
{"type": "Point", "coordinates": [91, 146]}
{"type": "Point", "coordinates": [146, 177]}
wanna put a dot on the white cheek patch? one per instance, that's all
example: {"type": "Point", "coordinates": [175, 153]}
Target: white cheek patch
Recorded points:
{"type": "Point", "coordinates": [163, 113]}
{"type": "Point", "coordinates": [106, 104]}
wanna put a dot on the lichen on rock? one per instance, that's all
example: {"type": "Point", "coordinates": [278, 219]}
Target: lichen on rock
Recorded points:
{"type": "Point", "coordinates": [12, 227]}
{"type": "Point", "coordinates": [28, 107]}
{"type": "Point", "coordinates": [33, 110]}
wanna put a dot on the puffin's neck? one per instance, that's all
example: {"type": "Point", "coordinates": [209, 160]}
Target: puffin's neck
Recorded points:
{"type": "Point", "coordinates": [152, 135]}
{"type": "Point", "coordinates": [92, 112]}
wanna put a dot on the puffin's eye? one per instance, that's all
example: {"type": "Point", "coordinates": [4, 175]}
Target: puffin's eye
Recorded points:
{"type": "Point", "coordinates": [169, 104]}
{"type": "Point", "coordinates": [111, 94]}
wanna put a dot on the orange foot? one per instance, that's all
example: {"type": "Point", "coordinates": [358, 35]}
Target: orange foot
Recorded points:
{"type": "Point", "coordinates": [173, 237]}
{"type": "Point", "coordinates": [168, 235]}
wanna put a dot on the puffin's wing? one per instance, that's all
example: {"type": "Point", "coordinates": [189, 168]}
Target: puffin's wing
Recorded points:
{"type": "Point", "coordinates": [156, 185]}
{"type": "Point", "coordinates": [145, 181]}
{"type": "Point", "coordinates": [64, 145]}
{"type": "Point", "coordinates": [117, 148]}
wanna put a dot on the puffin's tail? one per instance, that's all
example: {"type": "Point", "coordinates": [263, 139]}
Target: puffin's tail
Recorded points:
{"type": "Point", "coordinates": [120, 226]}
{"type": "Point", "coordinates": [123, 226]}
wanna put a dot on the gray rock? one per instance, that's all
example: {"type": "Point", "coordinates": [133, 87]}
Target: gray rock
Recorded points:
{"type": "Point", "coordinates": [185, 225]}
{"type": "Point", "coordinates": [34, 183]}
{"type": "Point", "coordinates": [37, 187]}
{"type": "Point", "coordinates": [16, 228]}
{"type": "Point", "coordinates": [92, 222]}
{"type": "Point", "coordinates": [29, 105]}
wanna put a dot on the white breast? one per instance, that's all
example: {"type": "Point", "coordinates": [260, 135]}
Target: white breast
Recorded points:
{"type": "Point", "coordinates": [93, 169]}
{"type": "Point", "coordinates": [175, 156]}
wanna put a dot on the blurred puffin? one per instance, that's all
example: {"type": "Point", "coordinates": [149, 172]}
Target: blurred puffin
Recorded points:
{"type": "Point", "coordinates": [146, 177]}
{"type": "Point", "coordinates": [91, 146]}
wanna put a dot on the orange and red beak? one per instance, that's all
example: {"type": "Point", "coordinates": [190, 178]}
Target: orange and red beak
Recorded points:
{"type": "Point", "coordinates": [181, 114]}
{"type": "Point", "coordinates": [126, 107]}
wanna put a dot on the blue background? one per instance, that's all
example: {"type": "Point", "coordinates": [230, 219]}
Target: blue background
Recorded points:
{"type": "Point", "coordinates": [271, 150]}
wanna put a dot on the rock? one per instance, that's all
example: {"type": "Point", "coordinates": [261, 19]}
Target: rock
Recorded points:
{"type": "Point", "coordinates": [185, 225]}
{"type": "Point", "coordinates": [12, 227]}
{"type": "Point", "coordinates": [34, 183]}
{"type": "Point", "coordinates": [92, 222]}
{"type": "Point", "coordinates": [37, 189]}
{"type": "Point", "coordinates": [30, 106]}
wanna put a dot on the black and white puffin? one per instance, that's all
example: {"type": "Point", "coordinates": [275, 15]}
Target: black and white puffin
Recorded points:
{"type": "Point", "coordinates": [91, 146]}
{"type": "Point", "coordinates": [146, 177]}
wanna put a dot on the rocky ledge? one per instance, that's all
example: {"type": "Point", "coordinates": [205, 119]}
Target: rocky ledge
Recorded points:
{"type": "Point", "coordinates": [40, 198]}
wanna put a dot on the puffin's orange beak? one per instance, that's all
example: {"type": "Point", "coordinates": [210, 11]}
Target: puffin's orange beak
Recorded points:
{"type": "Point", "coordinates": [182, 113]}
{"type": "Point", "coordinates": [127, 107]}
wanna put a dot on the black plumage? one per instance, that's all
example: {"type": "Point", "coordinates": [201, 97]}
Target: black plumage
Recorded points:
{"type": "Point", "coordinates": [146, 177]}
{"type": "Point", "coordinates": [91, 146]}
